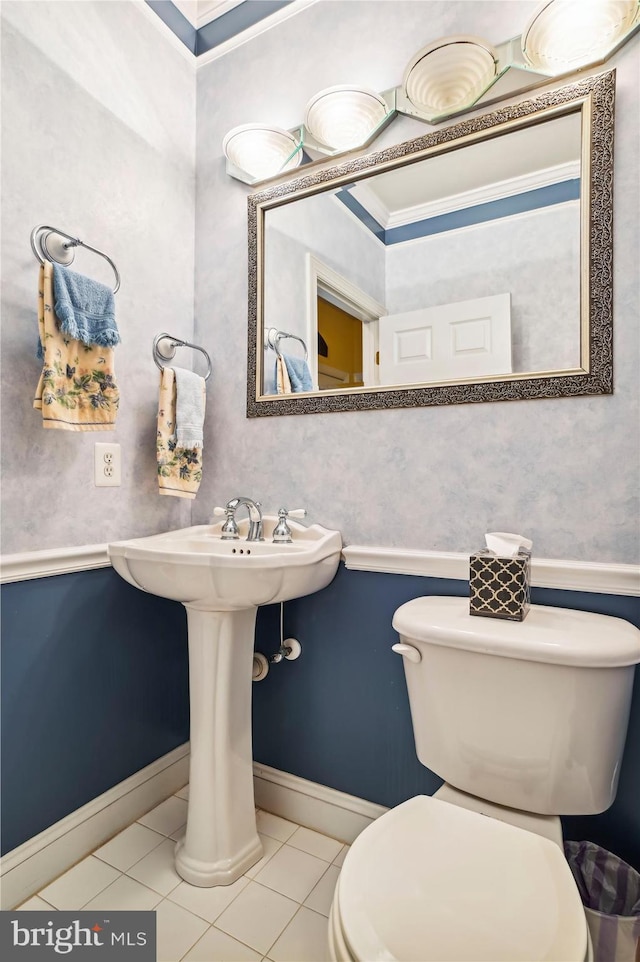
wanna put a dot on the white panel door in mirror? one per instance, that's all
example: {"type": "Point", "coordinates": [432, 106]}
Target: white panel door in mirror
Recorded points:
{"type": "Point", "coordinates": [450, 342]}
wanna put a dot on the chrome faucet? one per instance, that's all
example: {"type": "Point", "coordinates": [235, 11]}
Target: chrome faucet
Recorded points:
{"type": "Point", "coordinates": [230, 529]}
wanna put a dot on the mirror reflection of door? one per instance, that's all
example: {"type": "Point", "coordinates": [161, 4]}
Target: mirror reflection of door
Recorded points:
{"type": "Point", "coordinates": [342, 335]}
{"type": "Point", "coordinates": [453, 342]}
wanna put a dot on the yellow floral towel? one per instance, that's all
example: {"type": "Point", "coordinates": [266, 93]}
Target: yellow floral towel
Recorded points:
{"type": "Point", "coordinates": [179, 469]}
{"type": "Point", "coordinates": [77, 390]}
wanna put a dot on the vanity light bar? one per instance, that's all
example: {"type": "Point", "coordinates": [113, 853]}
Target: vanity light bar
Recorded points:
{"type": "Point", "coordinates": [443, 79]}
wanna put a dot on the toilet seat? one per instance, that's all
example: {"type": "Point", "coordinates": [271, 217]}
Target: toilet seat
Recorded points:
{"type": "Point", "coordinates": [431, 881]}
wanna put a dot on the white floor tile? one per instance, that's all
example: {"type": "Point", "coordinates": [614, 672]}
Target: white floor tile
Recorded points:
{"type": "Point", "coordinates": [177, 931]}
{"type": "Point", "coordinates": [270, 846]}
{"type": "Point", "coordinates": [35, 904]}
{"type": "Point", "coordinates": [208, 903]}
{"type": "Point", "coordinates": [321, 896]}
{"type": "Point", "coordinates": [129, 846]}
{"type": "Point", "coordinates": [257, 917]}
{"type": "Point", "coordinates": [157, 869]}
{"type": "Point", "coordinates": [217, 946]}
{"type": "Point", "coordinates": [125, 894]}
{"type": "Point", "coordinates": [167, 816]}
{"type": "Point", "coordinates": [292, 873]}
{"type": "Point", "coordinates": [74, 889]}
{"type": "Point", "coordinates": [315, 844]}
{"type": "Point", "coordinates": [340, 857]}
{"type": "Point", "coordinates": [303, 940]}
{"type": "Point", "coordinates": [274, 826]}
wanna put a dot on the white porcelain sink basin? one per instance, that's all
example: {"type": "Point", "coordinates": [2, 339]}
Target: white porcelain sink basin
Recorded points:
{"type": "Point", "coordinates": [221, 584]}
{"type": "Point", "coordinates": [194, 566]}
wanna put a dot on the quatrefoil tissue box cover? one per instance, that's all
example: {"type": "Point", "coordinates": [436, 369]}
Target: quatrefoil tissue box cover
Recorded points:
{"type": "Point", "coordinates": [500, 577]}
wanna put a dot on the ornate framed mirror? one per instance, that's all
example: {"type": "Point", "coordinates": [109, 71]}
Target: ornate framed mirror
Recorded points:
{"type": "Point", "coordinates": [473, 263]}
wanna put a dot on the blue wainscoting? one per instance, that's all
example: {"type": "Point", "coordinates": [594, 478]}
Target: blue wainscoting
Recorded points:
{"type": "Point", "coordinates": [339, 715]}
{"type": "Point", "coordinates": [94, 687]}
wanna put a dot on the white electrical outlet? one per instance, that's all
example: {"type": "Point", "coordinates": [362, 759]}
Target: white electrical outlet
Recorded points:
{"type": "Point", "coordinates": [106, 465]}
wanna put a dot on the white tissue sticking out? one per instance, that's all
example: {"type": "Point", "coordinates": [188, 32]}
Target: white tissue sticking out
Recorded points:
{"type": "Point", "coordinates": [507, 545]}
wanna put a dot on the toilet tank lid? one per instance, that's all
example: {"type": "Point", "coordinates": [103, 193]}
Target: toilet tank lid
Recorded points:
{"type": "Point", "coordinates": [559, 636]}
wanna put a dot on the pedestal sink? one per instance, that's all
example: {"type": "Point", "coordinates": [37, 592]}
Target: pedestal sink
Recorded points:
{"type": "Point", "coordinates": [221, 584]}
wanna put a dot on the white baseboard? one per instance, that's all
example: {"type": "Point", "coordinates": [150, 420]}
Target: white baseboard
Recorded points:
{"type": "Point", "coordinates": [315, 806]}
{"type": "Point", "coordinates": [31, 866]}
{"type": "Point", "coordinates": [41, 859]}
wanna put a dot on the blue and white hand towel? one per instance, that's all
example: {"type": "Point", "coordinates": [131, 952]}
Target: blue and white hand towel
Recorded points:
{"type": "Point", "coordinates": [85, 308]}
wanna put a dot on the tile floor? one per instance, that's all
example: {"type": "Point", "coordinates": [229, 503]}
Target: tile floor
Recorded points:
{"type": "Point", "coordinates": [276, 912]}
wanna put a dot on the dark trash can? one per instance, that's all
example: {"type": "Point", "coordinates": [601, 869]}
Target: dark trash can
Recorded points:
{"type": "Point", "coordinates": [610, 892]}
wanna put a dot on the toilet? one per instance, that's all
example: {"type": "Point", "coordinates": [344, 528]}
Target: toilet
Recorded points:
{"type": "Point", "coordinates": [524, 721]}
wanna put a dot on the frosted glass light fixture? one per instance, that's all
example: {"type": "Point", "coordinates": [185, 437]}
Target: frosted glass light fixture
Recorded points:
{"type": "Point", "coordinates": [450, 74]}
{"type": "Point", "coordinates": [261, 150]}
{"type": "Point", "coordinates": [344, 117]}
{"type": "Point", "coordinates": [565, 35]}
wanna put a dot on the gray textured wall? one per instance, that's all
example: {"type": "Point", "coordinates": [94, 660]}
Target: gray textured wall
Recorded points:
{"type": "Point", "coordinates": [98, 138]}
{"type": "Point", "coordinates": [433, 478]}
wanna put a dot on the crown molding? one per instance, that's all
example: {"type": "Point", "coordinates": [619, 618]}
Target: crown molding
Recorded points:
{"type": "Point", "coordinates": [469, 198]}
{"type": "Point", "coordinates": [175, 20]}
{"type": "Point", "coordinates": [250, 33]}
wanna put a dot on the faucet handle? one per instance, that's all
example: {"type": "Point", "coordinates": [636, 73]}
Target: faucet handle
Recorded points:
{"type": "Point", "coordinates": [282, 531]}
{"type": "Point", "coordinates": [229, 530]}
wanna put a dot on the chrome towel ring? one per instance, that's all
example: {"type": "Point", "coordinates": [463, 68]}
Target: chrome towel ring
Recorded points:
{"type": "Point", "coordinates": [165, 352]}
{"type": "Point", "coordinates": [274, 336]}
{"type": "Point", "coordinates": [53, 244]}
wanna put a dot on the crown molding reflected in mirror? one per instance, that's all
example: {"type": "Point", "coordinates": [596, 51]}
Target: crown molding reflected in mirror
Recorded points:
{"type": "Point", "coordinates": [295, 265]}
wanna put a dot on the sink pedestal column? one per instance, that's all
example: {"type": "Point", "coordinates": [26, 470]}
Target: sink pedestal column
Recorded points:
{"type": "Point", "coordinates": [221, 841]}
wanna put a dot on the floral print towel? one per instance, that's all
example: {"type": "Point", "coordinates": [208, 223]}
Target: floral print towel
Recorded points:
{"type": "Point", "coordinates": [77, 390]}
{"type": "Point", "coordinates": [179, 468]}
{"type": "Point", "coordinates": [283, 383]}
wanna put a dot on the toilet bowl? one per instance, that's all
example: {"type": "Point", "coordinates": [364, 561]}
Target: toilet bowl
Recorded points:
{"type": "Point", "coordinates": [523, 721]}
{"type": "Point", "coordinates": [431, 882]}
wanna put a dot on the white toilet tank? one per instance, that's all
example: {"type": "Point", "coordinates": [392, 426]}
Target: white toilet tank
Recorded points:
{"type": "Point", "coordinates": [533, 714]}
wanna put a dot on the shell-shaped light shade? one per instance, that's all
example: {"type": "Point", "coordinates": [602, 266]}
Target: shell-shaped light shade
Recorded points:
{"type": "Point", "coordinates": [450, 74]}
{"type": "Point", "coordinates": [567, 34]}
{"type": "Point", "coordinates": [261, 150]}
{"type": "Point", "coordinates": [344, 117]}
